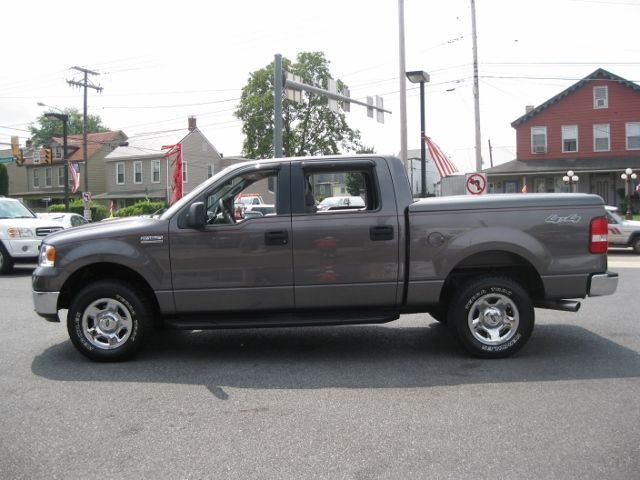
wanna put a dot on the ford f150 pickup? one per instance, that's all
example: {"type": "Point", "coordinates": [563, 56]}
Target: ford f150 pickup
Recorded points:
{"type": "Point", "coordinates": [480, 265]}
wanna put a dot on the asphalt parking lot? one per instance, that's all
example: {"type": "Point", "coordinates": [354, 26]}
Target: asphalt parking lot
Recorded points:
{"type": "Point", "coordinates": [395, 401]}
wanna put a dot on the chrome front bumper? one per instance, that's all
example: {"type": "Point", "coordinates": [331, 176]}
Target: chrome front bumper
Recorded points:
{"type": "Point", "coordinates": [46, 305]}
{"type": "Point", "coordinates": [603, 284]}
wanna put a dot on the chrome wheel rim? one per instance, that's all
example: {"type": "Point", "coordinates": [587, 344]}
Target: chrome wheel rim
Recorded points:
{"type": "Point", "coordinates": [493, 319]}
{"type": "Point", "coordinates": [107, 323]}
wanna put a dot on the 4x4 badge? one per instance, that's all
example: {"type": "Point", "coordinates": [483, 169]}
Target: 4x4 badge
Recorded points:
{"type": "Point", "coordinates": [555, 218]}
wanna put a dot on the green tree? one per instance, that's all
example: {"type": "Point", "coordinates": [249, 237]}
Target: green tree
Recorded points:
{"type": "Point", "coordinates": [309, 127]}
{"type": "Point", "coordinates": [4, 180]}
{"type": "Point", "coordinates": [44, 128]}
{"type": "Point", "coordinates": [354, 183]}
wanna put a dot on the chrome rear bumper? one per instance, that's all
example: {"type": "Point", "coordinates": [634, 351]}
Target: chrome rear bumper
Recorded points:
{"type": "Point", "coordinates": [603, 284]}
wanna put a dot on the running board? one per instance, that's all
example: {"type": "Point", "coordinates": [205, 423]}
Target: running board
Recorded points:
{"type": "Point", "coordinates": [564, 305]}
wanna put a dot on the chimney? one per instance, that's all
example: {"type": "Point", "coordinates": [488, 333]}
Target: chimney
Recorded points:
{"type": "Point", "coordinates": [529, 108]}
{"type": "Point", "coordinates": [192, 123]}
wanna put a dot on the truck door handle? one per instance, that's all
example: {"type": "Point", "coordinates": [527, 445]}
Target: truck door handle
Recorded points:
{"type": "Point", "coordinates": [381, 233]}
{"type": "Point", "coordinates": [276, 237]}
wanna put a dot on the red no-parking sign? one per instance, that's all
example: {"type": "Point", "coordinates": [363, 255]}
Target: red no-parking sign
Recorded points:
{"type": "Point", "coordinates": [476, 184]}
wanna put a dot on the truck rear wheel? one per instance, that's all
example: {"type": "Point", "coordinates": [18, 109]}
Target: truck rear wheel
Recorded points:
{"type": "Point", "coordinates": [492, 317]}
{"type": "Point", "coordinates": [109, 320]}
{"type": "Point", "coordinates": [636, 245]}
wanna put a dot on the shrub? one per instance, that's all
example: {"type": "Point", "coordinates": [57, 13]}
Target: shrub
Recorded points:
{"type": "Point", "coordinates": [98, 212]}
{"type": "Point", "coordinates": [140, 208]}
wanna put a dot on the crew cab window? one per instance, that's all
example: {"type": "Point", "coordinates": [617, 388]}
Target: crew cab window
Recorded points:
{"type": "Point", "coordinates": [227, 204]}
{"type": "Point", "coordinates": [331, 191]}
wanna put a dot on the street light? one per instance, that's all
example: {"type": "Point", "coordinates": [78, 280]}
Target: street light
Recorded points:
{"type": "Point", "coordinates": [627, 176]}
{"type": "Point", "coordinates": [570, 179]}
{"type": "Point", "coordinates": [64, 118]}
{"type": "Point", "coordinates": [418, 76]}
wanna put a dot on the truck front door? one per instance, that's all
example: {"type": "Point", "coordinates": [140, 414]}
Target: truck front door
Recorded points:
{"type": "Point", "coordinates": [236, 263]}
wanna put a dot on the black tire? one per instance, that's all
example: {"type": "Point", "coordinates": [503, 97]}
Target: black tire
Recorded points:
{"type": "Point", "coordinates": [6, 262]}
{"type": "Point", "coordinates": [492, 317]}
{"type": "Point", "coordinates": [636, 245]}
{"type": "Point", "coordinates": [108, 321]}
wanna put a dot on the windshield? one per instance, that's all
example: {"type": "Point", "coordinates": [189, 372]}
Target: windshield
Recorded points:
{"type": "Point", "coordinates": [11, 209]}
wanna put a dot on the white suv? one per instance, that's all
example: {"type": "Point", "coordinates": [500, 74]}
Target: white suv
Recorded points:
{"type": "Point", "coordinates": [623, 233]}
{"type": "Point", "coordinates": [21, 233]}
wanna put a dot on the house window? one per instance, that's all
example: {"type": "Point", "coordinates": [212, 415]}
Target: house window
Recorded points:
{"type": "Point", "coordinates": [538, 139]}
{"type": "Point", "coordinates": [569, 138]}
{"type": "Point", "coordinates": [61, 176]}
{"type": "Point", "coordinates": [633, 136]}
{"type": "Point", "coordinates": [120, 173]}
{"type": "Point", "coordinates": [601, 137]}
{"type": "Point", "coordinates": [185, 176]}
{"type": "Point", "coordinates": [47, 176]}
{"type": "Point", "coordinates": [155, 171]}
{"type": "Point", "coordinates": [601, 97]}
{"type": "Point", "coordinates": [511, 186]}
{"type": "Point", "coordinates": [209, 171]}
{"type": "Point", "coordinates": [36, 178]}
{"type": "Point", "coordinates": [137, 172]}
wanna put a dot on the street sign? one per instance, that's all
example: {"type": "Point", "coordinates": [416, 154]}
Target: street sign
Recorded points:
{"type": "Point", "coordinates": [476, 184]}
{"type": "Point", "coordinates": [7, 160]}
{"type": "Point", "coordinates": [86, 197]}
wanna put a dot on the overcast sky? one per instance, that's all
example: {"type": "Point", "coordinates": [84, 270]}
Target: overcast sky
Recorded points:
{"type": "Point", "coordinates": [160, 61]}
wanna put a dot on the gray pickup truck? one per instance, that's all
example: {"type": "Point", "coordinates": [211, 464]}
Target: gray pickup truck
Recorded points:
{"type": "Point", "coordinates": [480, 265]}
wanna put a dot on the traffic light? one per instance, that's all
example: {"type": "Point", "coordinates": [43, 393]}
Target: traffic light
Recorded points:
{"type": "Point", "coordinates": [19, 158]}
{"type": "Point", "coordinates": [15, 146]}
{"type": "Point", "coordinates": [48, 156]}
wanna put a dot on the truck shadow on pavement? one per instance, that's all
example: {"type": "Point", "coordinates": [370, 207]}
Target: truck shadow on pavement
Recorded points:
{"type": "Point", "coordinates": [344, 357]}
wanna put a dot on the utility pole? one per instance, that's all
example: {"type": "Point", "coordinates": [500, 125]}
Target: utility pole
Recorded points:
{"type": "Point", "coordinates": [476, 88]}
{"type": "Point", "coordinates": [403, 87]}
{"type": "Point", "coordinates": [277, 109]}
{"type": "Point", "coordinates": [85, 85]}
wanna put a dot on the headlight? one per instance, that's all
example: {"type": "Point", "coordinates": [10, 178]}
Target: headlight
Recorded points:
{"type": "Point", "coordinates": [17, 232]}
{"type": "Point", "coordinates": [47, 256]}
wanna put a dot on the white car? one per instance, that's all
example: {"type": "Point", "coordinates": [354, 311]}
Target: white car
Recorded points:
{"type": "Point", "coordinates": [341, 203]}
{"type": "Point", "coordinates": [622, 233]}
{"type": "Point", "coordinates": [21, 233]}
{"type": "Point", "coordinates": [68, 220]}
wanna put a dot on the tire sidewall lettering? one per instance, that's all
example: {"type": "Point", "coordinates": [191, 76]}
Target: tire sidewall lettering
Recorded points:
{"type": "Point", "coordinates": [504, 346]}
{"type": "Point", "coordinates": [132, 312]}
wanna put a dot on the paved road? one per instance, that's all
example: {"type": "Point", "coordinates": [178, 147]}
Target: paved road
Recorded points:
{"type": "Point", "coordinates": [398, 401]}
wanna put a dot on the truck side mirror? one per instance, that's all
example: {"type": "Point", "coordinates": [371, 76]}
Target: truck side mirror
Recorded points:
{"type": "Point", "coordinates": [195, 217]}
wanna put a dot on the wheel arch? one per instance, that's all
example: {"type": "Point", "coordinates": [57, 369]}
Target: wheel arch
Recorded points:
{"type": "Point", "coordinates": [105, 271]}
{"type": "Point", "coordinates": [493, 262]}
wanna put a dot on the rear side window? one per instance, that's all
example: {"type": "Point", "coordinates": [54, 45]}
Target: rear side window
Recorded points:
{"type": "Point", "coordinates": [340, 190]}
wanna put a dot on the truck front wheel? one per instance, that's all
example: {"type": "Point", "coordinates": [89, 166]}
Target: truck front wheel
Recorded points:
{"type": "Point", "coordinates": [636, 245]}
{"type": "Point", "coordinates": [108, 320]}
{"type": "Point", "coordinates": [6, 262]}
{"type": "Point", "coordinates": [492, 317]}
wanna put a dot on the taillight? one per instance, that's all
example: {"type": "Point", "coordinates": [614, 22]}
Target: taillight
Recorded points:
{"type": "Point", "coordinates": [599, 235]}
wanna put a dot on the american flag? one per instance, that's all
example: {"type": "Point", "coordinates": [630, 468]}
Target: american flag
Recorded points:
{"type": "Point", "coordinates": [443, 164]}
{"type": "Point", "coordinates": [74, 171]}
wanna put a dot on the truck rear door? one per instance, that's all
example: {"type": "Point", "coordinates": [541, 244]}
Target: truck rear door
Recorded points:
{"type": "Point", "coordinates": [347, 256]}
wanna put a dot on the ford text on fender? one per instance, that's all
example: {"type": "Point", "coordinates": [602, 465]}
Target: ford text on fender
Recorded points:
{"type": "Point", "coordinates": [480, 264]}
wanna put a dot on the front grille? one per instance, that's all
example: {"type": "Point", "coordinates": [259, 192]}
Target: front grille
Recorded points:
{"type": "Point", "coordinates": [44, 231]}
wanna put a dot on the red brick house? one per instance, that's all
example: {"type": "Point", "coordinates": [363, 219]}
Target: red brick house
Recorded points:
{"type": "Point", "coordinates": [591, 128]}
